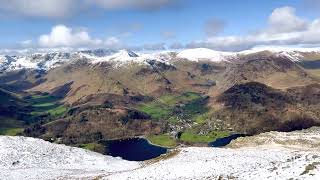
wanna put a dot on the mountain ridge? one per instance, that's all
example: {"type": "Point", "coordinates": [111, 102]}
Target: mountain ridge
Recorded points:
{"type": "Point", "coordinates": [50, 60]}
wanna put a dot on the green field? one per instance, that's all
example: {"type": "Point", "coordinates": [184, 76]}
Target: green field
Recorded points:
{"type": "Point", "coordinates": [192, 137]}
{"type": "Point", "coordinates": [162, 140]}
{"type": "Point", "coordinates": [201, 119]}
{"type": "Point", "coordinates": [10, 126]}
{"type": "Point", "coordinates": [156, 110]}
{"type": "Point", "coordinates": [46, 104]}
{"type": "Point", "coordinates": [93, 147]}
{"type": "Point", "coordinates": [187, 105]}
{"type": "Point", "coordinates": [11, 131]}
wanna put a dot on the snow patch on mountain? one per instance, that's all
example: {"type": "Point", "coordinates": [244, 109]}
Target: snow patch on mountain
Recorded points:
{"type": "Point", "coordinates": [203, 54]}
{"type": "Point", "coordinates": [294, 54]}
{"type": "Point", "coordinates": [99, 52]}
{"type": "Point", "coordinates": [122, 58]}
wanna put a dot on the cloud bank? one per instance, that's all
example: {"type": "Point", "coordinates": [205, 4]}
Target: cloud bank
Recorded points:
{"type": "Point", "coordinates": [65, 8]}
{"type": "Point", "coordinates": [284, 27]}
{"type": "Point", "coordinates": [38, 8]}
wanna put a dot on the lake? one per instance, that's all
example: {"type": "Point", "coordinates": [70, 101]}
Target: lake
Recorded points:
{"type": "Point", "coordinates": [135, 149]}
{"type": "Point", "coordinates": [220, 142]}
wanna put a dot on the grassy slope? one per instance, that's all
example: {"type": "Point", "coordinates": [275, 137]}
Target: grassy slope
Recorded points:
{"type": "Point", "coordinates": [192, 137]}
{"type": "Point", "coordinates": [93, 147]}
{"type": "Point", "coordinates": [10, 131]}
{"type": "Point", "coordinates": [162, 140]}
{"type": "Point", "coordinates": [46, 104]}
{"type": "Point", "coordinates": [10, 126]}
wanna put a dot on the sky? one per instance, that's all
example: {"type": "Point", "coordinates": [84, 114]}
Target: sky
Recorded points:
{"type": "Point", "coordinates": [141, 25]}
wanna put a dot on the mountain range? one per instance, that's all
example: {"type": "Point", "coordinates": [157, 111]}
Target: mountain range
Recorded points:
{"type": "Point", "coordinates": [187, 96]}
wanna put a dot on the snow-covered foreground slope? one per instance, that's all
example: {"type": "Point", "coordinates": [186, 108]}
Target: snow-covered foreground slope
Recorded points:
{"type": "Point", "coordinates": [29, 158]}
{"type": "Point", "coordinates": [267, 156]}
{"type": "Point", "coordinates": [244, 163]}
{"type": "Point", "coordinates": [273, 155]}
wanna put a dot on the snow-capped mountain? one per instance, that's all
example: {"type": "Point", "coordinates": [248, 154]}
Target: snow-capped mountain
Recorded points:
{"type": "Point", "coordinates": [44, 61]}
{"type": "Point", "coordinates": [295, 54]}
{"type": "Point", "coordinates": [47, 61]}
{"type": "Point", "coordinates": [5, 62]}
{"type": "Point", "coordinates": [122, 58]}
{"type": "Point", "coordinates": [200, 54]}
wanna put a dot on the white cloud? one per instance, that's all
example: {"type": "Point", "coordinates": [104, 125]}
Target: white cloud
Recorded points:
{"type": "Point", "coordinates": [284, 20]}
{"type": "Point", "coordinates": [61, 36]}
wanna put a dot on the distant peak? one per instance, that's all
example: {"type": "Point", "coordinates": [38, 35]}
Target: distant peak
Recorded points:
{"type": "Point", "coordinates": [205, 54]}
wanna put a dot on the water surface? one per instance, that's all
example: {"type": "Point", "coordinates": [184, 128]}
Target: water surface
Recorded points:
{"type": "Point", "coordinates": [135, 149]}
{"type": "Point", "coordinates": [220, 142]}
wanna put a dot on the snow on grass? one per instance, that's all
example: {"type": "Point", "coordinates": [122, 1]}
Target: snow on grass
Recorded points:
{"type": "Point", "coordinates": [245, 163]}
{"type": "Point", "coordinates": [29, 158]}
{"type": "Point", "coordinates": [271, 158]}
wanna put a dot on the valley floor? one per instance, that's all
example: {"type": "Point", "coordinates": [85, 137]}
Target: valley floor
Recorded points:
{"type": "Point", "coordinates": [268, 156]}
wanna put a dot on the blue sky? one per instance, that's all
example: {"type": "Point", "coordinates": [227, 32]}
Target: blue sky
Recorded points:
{"type": "Point", "coordinates": [229, 25]}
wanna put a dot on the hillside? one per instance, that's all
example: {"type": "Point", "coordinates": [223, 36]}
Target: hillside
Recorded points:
{"type": "Point", "coordinates": [12, 109]}
{"type": "Point", "coordinates": [254, 108]}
